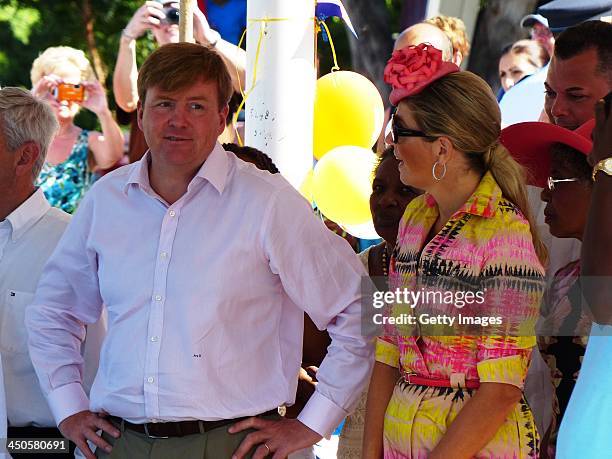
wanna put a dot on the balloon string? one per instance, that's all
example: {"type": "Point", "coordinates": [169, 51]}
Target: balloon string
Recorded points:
{"type": "Point", "coordinates": [237, 113]}
{"type": "Point", "coordinates": [271, 19]}
{"type": "Point", "coordinates": [331, 43]}
{"type": "Point", "coordinates": [245, 95]}
{"type": "Point", "coordinates": [240, 42]}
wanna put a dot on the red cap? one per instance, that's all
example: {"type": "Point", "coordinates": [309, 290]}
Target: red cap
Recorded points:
{"type": "Point", "coordinates": [530, 143]}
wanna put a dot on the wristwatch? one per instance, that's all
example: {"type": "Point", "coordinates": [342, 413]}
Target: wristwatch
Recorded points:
{"type": "Point", "coordinates": [605, 165]}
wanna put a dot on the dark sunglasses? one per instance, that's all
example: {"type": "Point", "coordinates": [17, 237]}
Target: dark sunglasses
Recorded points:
{"type": "Point", "coordinates": [398, 131]}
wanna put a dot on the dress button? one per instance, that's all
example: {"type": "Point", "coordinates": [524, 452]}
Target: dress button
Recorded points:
{"type": "Point", "coordinates": [150, 379]}
{"type": "Point", "coordinates": [172, 213]}
{"type": "Point", "coordinates": [163, 254]}
{"type": "Point", "coordinates": [154, 338]}
{"type": "Point", "coordinates": [158, 297]}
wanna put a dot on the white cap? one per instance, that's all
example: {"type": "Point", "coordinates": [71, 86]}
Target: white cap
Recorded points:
{"type": "Point", "coordinates": [531, 19]}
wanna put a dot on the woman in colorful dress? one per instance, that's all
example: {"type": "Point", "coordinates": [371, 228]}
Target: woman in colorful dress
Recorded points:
{"type": "Point", "coordinates": [388, 201]}
{"type": "Point", "coordinates": [64, 78]}
{"type": "Point", "coordinates": [556, 159]}
{"type": "Point", "coordinates": [456, 396]}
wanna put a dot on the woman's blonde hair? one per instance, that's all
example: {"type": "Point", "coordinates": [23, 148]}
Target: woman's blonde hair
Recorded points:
{"type": "Point", "coordinates": [462, 107]}
{"type": "Point", "coordinates": [54, 61]}
{"type": "Point", "coordinates": [454, 28]}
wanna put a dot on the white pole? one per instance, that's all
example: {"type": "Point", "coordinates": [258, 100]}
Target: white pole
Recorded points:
{"type": "Point", "coordinates": [433, 8]}
{"type": "Point", "coordinates": [279, 107]}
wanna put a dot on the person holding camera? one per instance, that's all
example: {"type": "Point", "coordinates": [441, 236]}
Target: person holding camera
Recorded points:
{"type": "Point", "coordinates": [63, 77]}
{"type": "Point", "coordinates": [162, 18]}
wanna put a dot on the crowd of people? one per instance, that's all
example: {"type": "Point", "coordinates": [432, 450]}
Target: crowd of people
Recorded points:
{"type": "Point", "coordinates": [194, 305]}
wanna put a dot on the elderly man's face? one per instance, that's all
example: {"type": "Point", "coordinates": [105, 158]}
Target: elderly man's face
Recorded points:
{"type": "Point", "coordinates": [573, 86]}
{"type": "Point", "coordinates": [7, 165]}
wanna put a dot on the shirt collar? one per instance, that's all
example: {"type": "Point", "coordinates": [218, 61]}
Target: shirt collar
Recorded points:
{"type": "Point", "coordinates": [214, 170]}
{"type": "Point", "coordinates": [483, 202]}
{"type": "Point", "coordinates": [28, 213]}
{"type": "Point", "coordinates": [139, 174]}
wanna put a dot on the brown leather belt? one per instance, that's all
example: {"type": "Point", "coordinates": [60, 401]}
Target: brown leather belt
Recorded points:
{"type": "Point", "coordinates": [181, 428]}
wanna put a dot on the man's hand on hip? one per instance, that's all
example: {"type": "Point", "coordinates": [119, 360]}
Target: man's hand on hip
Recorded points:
{"type": "Point", "coordinates": [82, 426]}
{"type": "Point", "coordinates": [276, 439]}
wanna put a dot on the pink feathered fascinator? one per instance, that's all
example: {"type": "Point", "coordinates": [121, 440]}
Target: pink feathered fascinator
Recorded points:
{"type": "Point", "coordinates": [413, 68]}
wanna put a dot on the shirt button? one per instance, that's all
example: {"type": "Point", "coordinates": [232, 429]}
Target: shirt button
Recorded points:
{"type": "Point", "coordinates": [150, 379]}
{"type": "Point", "coordinates": [172, 213]}
{"type": "Point", "coordinates": [154, 338]}
{"type": "Point", "coordinates": [163, 254]}
{"type": "Point", "coordinates": [158, 298]}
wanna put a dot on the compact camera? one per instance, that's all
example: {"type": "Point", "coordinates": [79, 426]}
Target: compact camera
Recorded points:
{"type": "Point", "coordinates": [172, 15]}
{"type": "Point", "coordinates": [69, 92]}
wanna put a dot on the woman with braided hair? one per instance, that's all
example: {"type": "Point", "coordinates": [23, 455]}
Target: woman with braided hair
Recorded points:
{"type": "Point", "coordinates": [254, 156]}
{"type": "Point", "coordinates": [456, 393]}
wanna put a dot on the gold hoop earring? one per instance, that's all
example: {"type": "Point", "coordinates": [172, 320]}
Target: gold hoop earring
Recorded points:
{"type": "Point", "coordinates": [433, 171]}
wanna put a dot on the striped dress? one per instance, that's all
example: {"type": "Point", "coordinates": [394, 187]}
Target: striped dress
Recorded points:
{"type": "Point", "coordinates": [486, 246]}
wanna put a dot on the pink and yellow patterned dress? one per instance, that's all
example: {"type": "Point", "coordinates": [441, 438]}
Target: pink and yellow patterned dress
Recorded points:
{"type": "Point", "coordinates": [486, 242]}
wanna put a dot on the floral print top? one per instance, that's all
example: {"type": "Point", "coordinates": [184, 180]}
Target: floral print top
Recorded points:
{"type": "Point", "coordinates": [486, 242]}
{"type": "Point", "coordinates": [65, 184]}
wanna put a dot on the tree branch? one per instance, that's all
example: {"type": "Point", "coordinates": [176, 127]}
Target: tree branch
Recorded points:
{"type": "Point", "coordinates": [98, 64]}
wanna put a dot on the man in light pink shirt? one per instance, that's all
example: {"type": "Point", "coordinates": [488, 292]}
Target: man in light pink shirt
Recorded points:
{"type": "Point", "coordinates": [205, 265]}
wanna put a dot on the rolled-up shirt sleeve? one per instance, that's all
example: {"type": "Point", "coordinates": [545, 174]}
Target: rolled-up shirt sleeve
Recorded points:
{"type": "Point", "coordinates": [67, 299]}
{"type": "Point", "coordinates": [322, 275]}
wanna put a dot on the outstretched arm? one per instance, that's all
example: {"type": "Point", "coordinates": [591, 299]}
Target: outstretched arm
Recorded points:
{"type": "Point", "coordinates": [107, 147]}
{"type": "Point", "coordinates": [233, 56]}
{"type": "Point", "coordinates": [125, 76]}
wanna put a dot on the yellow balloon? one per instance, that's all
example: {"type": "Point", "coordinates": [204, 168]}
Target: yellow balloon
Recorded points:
{"type": "Point", "coordinates": [342, 184]}
{"type": "Point", "coordinates": [348, 111]}
{"type": "Point", "coordinates": [306, 186]}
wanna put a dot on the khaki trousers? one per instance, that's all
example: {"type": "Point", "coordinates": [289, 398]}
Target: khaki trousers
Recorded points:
{"type": "Point", "coordinates": [215, 444]}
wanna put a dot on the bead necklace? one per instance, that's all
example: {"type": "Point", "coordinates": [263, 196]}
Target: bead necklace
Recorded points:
{"type": "Point", "coordinates": [385, 267]}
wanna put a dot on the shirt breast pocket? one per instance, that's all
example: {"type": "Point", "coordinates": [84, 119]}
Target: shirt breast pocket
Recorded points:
{"type": "Point", "coordinates": [13, 334]}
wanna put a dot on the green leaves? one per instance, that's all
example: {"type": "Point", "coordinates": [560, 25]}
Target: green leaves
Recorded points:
{"type": "Point", "coordinates": [21, 20]}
